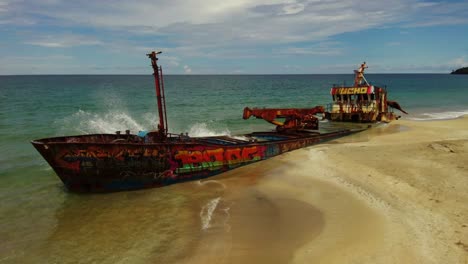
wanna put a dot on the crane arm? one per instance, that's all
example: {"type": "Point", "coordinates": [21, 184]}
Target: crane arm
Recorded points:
{"type": "Point", "coordinates": [295, 118]}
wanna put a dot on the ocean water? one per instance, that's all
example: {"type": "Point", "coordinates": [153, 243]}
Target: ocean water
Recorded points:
{"type": "Point", "coordinates": [40, 222]}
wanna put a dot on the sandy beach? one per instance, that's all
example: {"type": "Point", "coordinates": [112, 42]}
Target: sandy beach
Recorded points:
{"type": "Point", "coordinates": [394, 194]}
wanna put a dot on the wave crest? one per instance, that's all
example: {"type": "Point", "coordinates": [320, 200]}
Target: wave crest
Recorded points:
{"type": "Point", "coordinates": [439, 115]}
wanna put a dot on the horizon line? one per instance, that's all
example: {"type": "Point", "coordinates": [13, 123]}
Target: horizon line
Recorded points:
{"type": "Point", "coordinates": [209, 74]}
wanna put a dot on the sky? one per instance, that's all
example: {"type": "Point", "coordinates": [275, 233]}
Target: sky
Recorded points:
{"type": "Point", "coordinates": [232, 36]}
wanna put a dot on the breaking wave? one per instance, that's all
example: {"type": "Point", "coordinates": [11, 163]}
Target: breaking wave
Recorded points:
{"type": "Point", "coordinates": [202, 130]}
{"type": "Point", "coordinates": [439, 115]}
{"type": "Point", "coordinates": [86, 122]}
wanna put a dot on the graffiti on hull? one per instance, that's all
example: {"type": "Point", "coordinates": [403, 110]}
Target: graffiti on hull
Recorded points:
{"type": "Point", "coordinates": [160, 161]}
{"type": "Point", "coordinates": [137, 160]}
{"type": "Point", "coordinates": [215, 159]}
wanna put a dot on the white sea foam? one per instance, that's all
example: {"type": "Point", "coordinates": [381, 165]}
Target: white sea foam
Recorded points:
{"type": "Point", "coordinates": [440, 115]}
{"type": "Point", "coordinates": [202, 130]}
{"type": "Point", "coordinates": [206, 213]}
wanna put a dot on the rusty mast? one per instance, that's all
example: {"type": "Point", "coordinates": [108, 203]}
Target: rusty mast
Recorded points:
{"type": "Point", "coordinates": [160, 97]}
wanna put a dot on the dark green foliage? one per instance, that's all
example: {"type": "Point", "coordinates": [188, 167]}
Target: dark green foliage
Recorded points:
{"type": "Point", "coordinates": [463, 70]}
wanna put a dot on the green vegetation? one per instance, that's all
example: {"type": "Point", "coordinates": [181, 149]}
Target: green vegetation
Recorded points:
{"type": "Point", "coordinates": [463, 70]}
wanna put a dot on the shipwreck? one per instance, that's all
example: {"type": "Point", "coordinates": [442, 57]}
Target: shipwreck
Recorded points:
{"type": "Point", "coordinates": [362, 102]}
{"type": "Point", "coordinates": [125, 161]}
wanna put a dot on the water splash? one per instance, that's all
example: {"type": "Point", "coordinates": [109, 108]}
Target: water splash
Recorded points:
{"type": "Point", "coordinates": [202, 130]}
{"type": "Point", "coordinates": [86, 122]}
{"type": "Point", "coordinates": [206, 213]}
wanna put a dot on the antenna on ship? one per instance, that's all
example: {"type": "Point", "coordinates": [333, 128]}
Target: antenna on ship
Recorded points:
{"type": "Point", "coordinates": [359, 75]}
{"type": "Point", "coordinates": [160, 97]}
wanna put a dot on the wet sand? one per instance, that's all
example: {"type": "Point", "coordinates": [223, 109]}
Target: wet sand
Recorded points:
{"type": "Point", "coordinates": [394, 194]}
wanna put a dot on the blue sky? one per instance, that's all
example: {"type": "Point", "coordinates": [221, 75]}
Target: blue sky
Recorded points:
{"type": "Point", "coordinates": [232, 36]}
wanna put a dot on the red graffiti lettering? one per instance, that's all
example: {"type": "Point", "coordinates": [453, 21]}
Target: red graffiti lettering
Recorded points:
{"type": "Point", "coordinates": [249, 153]}
{"type": "Point", "coordinates": [213, 155]}
{"type": "Point", "coordinates": [233, 154]}
{"type": "Point", "coordinates": [188, 157]}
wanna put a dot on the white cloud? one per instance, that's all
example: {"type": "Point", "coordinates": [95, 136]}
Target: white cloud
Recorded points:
{"type": "Point", "coordinates": [427, 14]}
{"type": "Point", "coordinates": [229, 22]}
{"type": "Point", "coordinates": [35, 64]}
{"type": "Point", "coordinates": [428, 67]}
{"type": "Point", "coordinates": [238, 71]}
{"type": "Point", "coordinates": [196, 25]}
{"type": "Point", "coordinates": [64, 41]}
{"type": "Point", "coordinates": [172, 61]}
{"type": "Point", "coordinates": [458, 62]}
{"type": "Point", "coordinates": [3, 6]}
{"type": "Point", "coordinates": [247, 29]}
{"type": "Point", "coordinates": [324, 48]}
{"type": "Point", "coordinates": [187, 69]}
{"type": "Point", "coordinates": [425, 4]}
{"type": "Point", "coordinates": [290, 20]}
{"type": "Point", "coordinates": [292, 9]}
{"type": "Point", "coordinates": [292, 68]}
{"type": "Point", "coordinates": [439, 21]}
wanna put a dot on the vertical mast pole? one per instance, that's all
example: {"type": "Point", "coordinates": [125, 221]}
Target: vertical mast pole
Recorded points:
{"type": "Point", "coordinates": [163, 98]}
{"type": "Point", "coordinates": [157, 81]}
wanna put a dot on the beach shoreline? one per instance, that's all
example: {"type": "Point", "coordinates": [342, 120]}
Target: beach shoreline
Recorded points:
{"type": "Point", "coordinates": [416, 179]}
{"type": "Point", "coordinates": [395, 193]}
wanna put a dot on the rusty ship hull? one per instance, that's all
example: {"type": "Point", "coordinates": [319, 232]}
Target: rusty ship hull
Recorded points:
{"type": "Point", "coordinates": [117, 162]}
{"type": "Point", "coordinates": [111, 162]}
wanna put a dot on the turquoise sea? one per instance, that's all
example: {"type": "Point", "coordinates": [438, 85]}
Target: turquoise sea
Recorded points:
{"type": "Point", "coordinates": [40, 222]}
